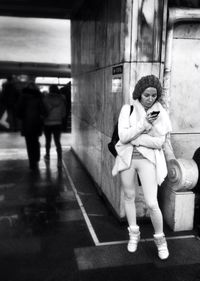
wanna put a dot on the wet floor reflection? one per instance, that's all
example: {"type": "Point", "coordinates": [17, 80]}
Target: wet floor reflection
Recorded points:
{"type": "Point", "coordinates": [38, 216]}
{"type": "Point", "coordinates": [30, 204]}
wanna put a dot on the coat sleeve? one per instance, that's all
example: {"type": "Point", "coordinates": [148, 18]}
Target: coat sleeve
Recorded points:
{"type": "Point", "coordinates": [126, 132]}
{"type": "Point", "coordinates": [149, 141]}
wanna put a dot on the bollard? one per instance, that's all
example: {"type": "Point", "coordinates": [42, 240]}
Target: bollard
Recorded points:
{"type": "Point", "coordinates": [182, 174]}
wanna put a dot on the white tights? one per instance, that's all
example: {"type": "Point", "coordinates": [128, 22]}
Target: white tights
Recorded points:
{"type": "Point", "coordinates": [147, 174]}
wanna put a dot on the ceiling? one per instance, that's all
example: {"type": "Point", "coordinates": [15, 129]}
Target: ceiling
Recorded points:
{"type": "Point", "coordinates": [52, 9]}
{"type": "Point", "coordinates": [64, 9]}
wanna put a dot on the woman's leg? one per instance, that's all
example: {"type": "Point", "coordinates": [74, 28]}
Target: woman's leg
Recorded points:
{"type": "Point", "coordinates": [57, 136]}
{"type": "Point", "coordinates": [47, 133]}
{"type": "Point", "coordinates": [128, 185]}
{"type": "Point", "coordinates": [147, 173]}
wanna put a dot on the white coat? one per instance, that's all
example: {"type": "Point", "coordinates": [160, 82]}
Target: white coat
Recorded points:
{"type": "Point", "coordinates": [135, 130]}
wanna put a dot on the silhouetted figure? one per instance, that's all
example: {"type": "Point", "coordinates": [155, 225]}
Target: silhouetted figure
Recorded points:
{"type": "Point", "coordinates": [9, 98]}
{"type": "Point", "coordinates": [31, 111]}
{"type": "Point", "coordinates": [56, 111]}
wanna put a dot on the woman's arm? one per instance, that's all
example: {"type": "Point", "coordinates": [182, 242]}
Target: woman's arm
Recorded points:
{"type": "Point", "coordinates": [149, 141]}
{"type": "Point", "coordinates": [125, 131]}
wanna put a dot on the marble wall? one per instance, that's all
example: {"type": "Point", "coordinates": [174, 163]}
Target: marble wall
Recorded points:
{"type": "Point", "coordinates": [184, 92]}
{"type": "Point", "coordinates": [107, 34]}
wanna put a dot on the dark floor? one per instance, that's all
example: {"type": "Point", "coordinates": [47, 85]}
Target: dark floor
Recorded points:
{"type": "Point", "coordinates": [55, 226]}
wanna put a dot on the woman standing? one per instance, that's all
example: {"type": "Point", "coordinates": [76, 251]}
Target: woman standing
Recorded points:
{"type": "Point", "coordinates": [141, 138]}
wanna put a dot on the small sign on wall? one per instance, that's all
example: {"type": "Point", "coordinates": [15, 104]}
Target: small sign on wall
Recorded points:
{"type": "Point", "coordinates": [117, 81]}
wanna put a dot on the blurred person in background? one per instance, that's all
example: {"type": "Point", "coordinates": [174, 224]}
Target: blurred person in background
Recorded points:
{"type": "Point", "coordinates": [9, 98]}
{"type": "Point", "coordinates": [56, 111]}
{"type": "Point", "coordinates": [31, 112]}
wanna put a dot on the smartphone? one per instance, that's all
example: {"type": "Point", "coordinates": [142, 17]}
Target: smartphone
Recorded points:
{"type": "Point", "coordinates": [154, 113]}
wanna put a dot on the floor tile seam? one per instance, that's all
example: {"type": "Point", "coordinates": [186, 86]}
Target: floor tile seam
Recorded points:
{"type": "Point", "coordinates": [114, 266]}
{"type": "Point", "coordinates": [84, 213]}
{"type": "Point", "coordinates": [145, 240]}
{"type": "Point", "coordinates": [156, 264]}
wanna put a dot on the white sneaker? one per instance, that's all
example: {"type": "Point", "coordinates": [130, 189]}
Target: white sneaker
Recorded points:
{"type": "Point", "coordinates": [161, 244]}
{"type": "Point", "coordinates": [134, 238]}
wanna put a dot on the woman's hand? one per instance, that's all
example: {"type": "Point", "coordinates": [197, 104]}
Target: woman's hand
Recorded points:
{"type": "Point", "coordinates": [151, 118]}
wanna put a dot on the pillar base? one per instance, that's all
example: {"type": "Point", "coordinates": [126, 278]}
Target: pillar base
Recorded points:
{"type": "Point", "coordinates": [177, 208]}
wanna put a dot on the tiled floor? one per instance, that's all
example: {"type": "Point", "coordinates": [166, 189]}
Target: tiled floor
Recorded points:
{"type": "Point", "coordinates": [109, 259]}
{"type": "Point", "coordinates": [39, 219]}
{"type": "Point", "coordinates": [54, 226]}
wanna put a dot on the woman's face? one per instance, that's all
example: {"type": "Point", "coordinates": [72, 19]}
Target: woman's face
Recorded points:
{"type": "Point", "coordinates": [148, 97]}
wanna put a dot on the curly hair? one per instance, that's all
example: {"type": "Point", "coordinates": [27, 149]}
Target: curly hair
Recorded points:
{"type": "Point", "coordinates": [146, 82]}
